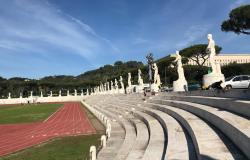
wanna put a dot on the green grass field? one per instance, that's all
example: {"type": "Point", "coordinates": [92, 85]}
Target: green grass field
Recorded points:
{"type": "Point", "coordinates": [67, 148]}
{"type": "Point", "coordinates": [26, 113]}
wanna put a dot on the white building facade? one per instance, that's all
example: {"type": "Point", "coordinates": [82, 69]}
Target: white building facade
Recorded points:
{"type": "Point", "coordinates": [225, 59]}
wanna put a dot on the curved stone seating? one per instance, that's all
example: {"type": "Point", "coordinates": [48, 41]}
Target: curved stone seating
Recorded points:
{"type": "Point", "coordinates": [130, 135]}
{"type": "Point", "coordinates": [114, 142]}
{"type": "Point", "coordinates": [142, 135]}
{"type": "Point", "coordinates": [141, 142]}
{"type": "Point", "coordinates": [177, 147]}
{"type": "Point", "coordinates": [192, 130]}
{"type": "Point", "coordinates": [236, 106]}
{"type": "Point", "coordinates": [235, 127]}
{"type": "Point", "coordinates": [155, 148]}
{"type": "Point", "coordinates": [219, 149]}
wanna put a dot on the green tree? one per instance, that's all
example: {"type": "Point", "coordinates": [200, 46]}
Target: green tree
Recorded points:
{"type": "Point", "coordinates": [197, 52]}
{"type": "Point", "coordinates": [239, 21]}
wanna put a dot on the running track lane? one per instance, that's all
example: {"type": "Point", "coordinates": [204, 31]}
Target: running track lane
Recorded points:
{"type": "Point", "coordinates": [67, 121]}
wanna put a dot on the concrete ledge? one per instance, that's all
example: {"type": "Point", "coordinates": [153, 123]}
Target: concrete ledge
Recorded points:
{"type": "Point", "coordinates": [225, 104]}
{"type": "Point", "coordinates": [233, 93]}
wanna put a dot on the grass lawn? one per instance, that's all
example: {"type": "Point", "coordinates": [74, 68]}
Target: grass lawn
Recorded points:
{"type": "Point", "coordinates": [67, 148]}
{"type": "Point", "coordinates": [26, 113]}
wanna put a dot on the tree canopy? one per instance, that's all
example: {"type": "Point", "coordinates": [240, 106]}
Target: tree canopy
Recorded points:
{"type": "Point", "coordinates": [197, 52]}
{"type": "Point", "coordinates": [239, 21]}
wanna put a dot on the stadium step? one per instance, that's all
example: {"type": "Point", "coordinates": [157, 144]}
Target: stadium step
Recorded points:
{"type": "Point", "coordinates": [155, 146]}
{"type": "Point", "coordinates": [177, 140]}
{"type": "Point", "coordinates": [235, 127]}
{"type": "Point", "coordinates": [240, 107]}
{"type": "Point", "coordinates": [142, 133]}
{"type": "Point", "coordinates": [114, 142]}
{"type": "Point", "coordinates": [219, 150]}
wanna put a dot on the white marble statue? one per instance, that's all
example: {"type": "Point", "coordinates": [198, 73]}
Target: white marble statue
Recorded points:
{"type": "Point", "coordinates": [157, 81]}
{"type": "Point", "coordinates": [180, 84]}
{"type": "Point", "coordinates": [82, 92]}
{"type": "Point", "coordinates": [129, 80]}
{"type": "Point", "coordinates": [9, 96]}
{"type": "Point", "coordinates": [60, 93]}
{"type": "Point", "coordinates": [31, 94]}
{"type": "Point", "coordinates": [116, 84]}
{"type": "Point", "coordinates": [105, 87]}
{"type": "Point", "coordinates": [179, 66]}
{"type": "Point", "coordinates": [212, 53]}
{"type": "Point", "coordinates": [41, 94]}
{"type": "Point", "coordinates": [75, 92]}
{"type": "Point", "coordinates": [87, 92]}
{"type": "Point", "coordinates": [140, 80]}
{"type": "Point", "coordinates": [215, 75]}
{"type": "Point", "coordinates": [121, 82]}
{"type": "Point", "coordinates": [51, 93]}
{"type": "Point", "coordinates": [155, 68]}
{"type": "Point", "coordinates": [67, 92]}
{"type": "Point", "coordinates": [21, 95]}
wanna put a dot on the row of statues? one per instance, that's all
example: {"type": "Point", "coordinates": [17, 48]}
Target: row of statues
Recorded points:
{"type": "Point", "coordinates": [208, 79]}
{"type": "Point", "coordinates": [51, 94]}
{"type": "Point", "coordinates": [179, 85]}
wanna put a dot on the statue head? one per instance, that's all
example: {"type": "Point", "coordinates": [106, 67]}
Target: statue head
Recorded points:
{"type": "Point", "coordinates": [177, 52]}
{"type": "Point", "coordinates": [154, 65]}
{"type": "Point", "coordinates": [209, 36]}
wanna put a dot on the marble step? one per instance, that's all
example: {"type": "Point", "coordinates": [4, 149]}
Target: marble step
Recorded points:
{"type": "Point", "coordinates": [236, 106]}
{"type": "Point", "coordinates": [115, 141]}
{"type": "Point", "coordinates": [177, 147]}
{"type": "Point", "coordinates": [235, 127]}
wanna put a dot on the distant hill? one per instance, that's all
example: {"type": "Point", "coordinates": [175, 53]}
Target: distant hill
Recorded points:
{"type": "Point", "coordinates": [106, 73]}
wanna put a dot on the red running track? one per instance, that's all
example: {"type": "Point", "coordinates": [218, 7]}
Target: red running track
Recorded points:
{"type": "Point", "coordinates": [67, 121]}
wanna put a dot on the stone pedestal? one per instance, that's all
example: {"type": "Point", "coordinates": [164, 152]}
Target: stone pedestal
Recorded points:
{"type": "Point", "coordinates": [209, 79]}
{"type": "Point", "coordinates": [180, 85]}
{"type": "Point", "coordinates": [129, 90]}
{"type": "Point", "coordinates": [121, 91]}
{"type": "Point", "coordinates": [154, 88]}
{"type": "Point", "coordinates": [139, 89]}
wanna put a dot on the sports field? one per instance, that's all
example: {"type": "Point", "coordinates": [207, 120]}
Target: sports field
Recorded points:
{"type": "Point", "coordinates": [47, 131]}
{"type": "Point", "coordinates": [26, 113]}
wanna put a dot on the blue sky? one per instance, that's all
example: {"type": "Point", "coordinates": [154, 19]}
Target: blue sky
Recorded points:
{"type": "Point", "coordinates": [53, 37]}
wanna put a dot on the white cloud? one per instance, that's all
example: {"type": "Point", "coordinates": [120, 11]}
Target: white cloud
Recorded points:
{"type": "Point", "coordinates": [37, 26]}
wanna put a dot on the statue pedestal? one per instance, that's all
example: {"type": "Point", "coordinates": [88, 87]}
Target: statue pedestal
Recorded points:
{"type": "Point", "coordinates": [154, 88]}
{"type": "Point", "coordinates": [209, 79]}
{"type": "Point", "coordinates": [121, 91]}
{"type": "Point", "coordinates": [139, 89]}
{"type": "Point", "coordinates": [129, 89]}
{"type": "Point", "coordinates": [180, 85]}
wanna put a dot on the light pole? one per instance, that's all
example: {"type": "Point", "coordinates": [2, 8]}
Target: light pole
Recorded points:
{"type": "Point", "coordinates": [150, 60]}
